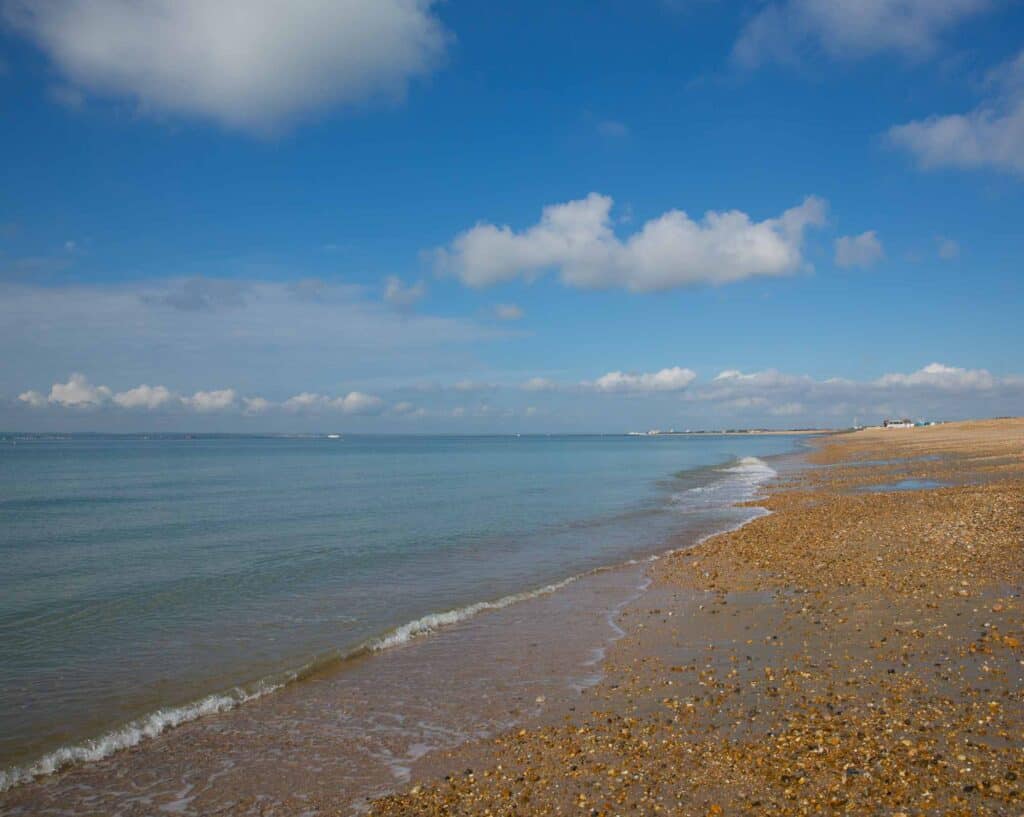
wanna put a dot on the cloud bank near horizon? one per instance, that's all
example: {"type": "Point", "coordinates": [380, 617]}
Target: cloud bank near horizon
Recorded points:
{"type": "Point", "coordinates": [766, 398]}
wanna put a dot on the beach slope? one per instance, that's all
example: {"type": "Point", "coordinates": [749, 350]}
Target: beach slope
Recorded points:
{"type": "Point", "coordinates": [860, 650]}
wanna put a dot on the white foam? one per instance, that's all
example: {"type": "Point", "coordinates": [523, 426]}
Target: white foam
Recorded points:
{"type": "Point", "coordinates": [131, 734]}
{"type": "Point", "coordinates": [753, 466]}
{"type": "Point", "coordinates": [433, 621]}
{"type": "Point", "coordinates": [745, 477]}
{"type": "Point", "coordinates": [158, 722]}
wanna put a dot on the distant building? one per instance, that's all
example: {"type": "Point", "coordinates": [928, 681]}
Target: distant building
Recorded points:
{"type": "Point", "coordinates": [904, 423]}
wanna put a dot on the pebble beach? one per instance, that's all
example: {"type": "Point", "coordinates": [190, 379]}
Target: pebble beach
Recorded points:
{"type": "Point", "coordinates": [858, 650]}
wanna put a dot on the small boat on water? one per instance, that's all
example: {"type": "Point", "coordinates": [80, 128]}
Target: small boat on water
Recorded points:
{"type": "Point", "coordinates": [333, 436]}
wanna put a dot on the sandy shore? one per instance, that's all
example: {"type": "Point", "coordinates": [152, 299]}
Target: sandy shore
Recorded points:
{"type": "Point", "coordinates": [858, 651]}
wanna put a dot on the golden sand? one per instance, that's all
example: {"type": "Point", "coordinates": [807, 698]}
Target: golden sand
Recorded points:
{"type": "Point", "coordinates": [854, 652]}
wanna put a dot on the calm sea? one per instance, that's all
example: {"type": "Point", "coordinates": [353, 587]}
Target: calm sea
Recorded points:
{"type": "Point", "coordinates": [148, 581]}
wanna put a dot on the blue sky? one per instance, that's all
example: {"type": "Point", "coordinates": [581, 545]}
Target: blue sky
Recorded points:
{"type": "Point", "coordinates": [397, 215]}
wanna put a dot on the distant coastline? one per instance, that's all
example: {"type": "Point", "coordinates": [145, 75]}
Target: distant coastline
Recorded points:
{"type": "Point", "coordinates": [732, 432]}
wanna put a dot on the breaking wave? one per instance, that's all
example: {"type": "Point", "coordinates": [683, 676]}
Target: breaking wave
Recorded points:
{"type": "Point", "coordinates": [155, 723]}
{"type": "Point", "coordinates": [133, 733]}
{"type": "Point", "coordinates": [429, 623]}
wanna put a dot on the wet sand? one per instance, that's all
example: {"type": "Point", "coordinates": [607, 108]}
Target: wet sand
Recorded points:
{"type": "Point", "coordinates": [854, 652]}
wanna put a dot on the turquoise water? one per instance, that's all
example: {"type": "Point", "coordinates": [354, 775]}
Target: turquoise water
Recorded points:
{"type": "Point", "coordinates": [143, 574]}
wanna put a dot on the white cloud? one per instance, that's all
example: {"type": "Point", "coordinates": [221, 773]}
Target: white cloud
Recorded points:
{"type": "Point", "coordinates": [937, 391]}
{"type": "Point", "coordinates": [399, 294]}
{"type": "Point", "coordinates": [769, 378]}
{"type": "Point", "coordinates": [783, 30]}
{"type": "Point", "coordinates": [256, 405]}
{"type": "Point", "coordinates": [248, 64]}
{"type": "Point", "coordinates": [991, 135]}
{"type": "Point", "coordinates": [508, 312]}
{"type": "Point", "coordinates": [78, 391]}
{"type": "Point", "coordinates": [939, 376]}
{"type": "Point", "coordinates": [306, 400]}
{"type": "Point", "coordinates": [211, 400]}
{"type": "Point", "coordinates": [859, 250]}
{"type": "Point", "coordinates": [947, 248]}
{"type": "Point", "coordinates": [670, 396]}
{"type": "Point", "coordinates": [32, 398]}
{"type": "Point", "coordinates": [143, 396]}
{"type": "Point", "coordinates": [673, 379]}
{"type": "Point", "coordinates": [358, 403]}
{"type": "Point", "coordinates": [669, 251]}
{"type": "Point", "coordinates": [985, 137]}
{"type": "Point", "coordinates": [354, 402]}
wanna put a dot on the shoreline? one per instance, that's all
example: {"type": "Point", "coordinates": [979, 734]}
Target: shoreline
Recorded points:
{"type": "Point", "coordinates": [824, 658]}
{"type": "Point", "coordinates": [162, 725]}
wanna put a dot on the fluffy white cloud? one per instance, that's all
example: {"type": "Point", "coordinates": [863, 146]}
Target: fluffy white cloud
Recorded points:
{"type": "Point", "coordinates": [399, 294]}
{"type": "Point", "coordinates": [78, 391]}
{"type": "Point", "coordinates": [143, 396]}
{"type": "Point", "coordinates": [672, 250]}
{"type": "Point", "coordinates": [991, 135]}
{"type": "Point", "coordinates": [673, 379]}
{"type": "Point", "coordinates": [508, 312]}
{"type": "Point", "coordinates": [859, 250]}
{"type": "Point", "coordinates": [939, 376]}
{"type": "Point", "coordinates": [32, 398]}
{"type": "Point", "coordinates": [218, 400]}
{"type": "Point", "coordinates": [784, 29]}
{"type": "Point", "coordinates": [250, 64]}
{"type": "Point", "coordinates": [670, 396]}
{"type": "Point", "coordinates": [352, 403]}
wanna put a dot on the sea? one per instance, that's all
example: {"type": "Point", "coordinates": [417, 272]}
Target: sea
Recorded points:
{"type": "Point", "coordinates": [286, 624]}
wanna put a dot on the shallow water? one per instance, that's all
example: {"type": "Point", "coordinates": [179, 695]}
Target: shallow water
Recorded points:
{"type": "Point", "coordinates": [143, 576]}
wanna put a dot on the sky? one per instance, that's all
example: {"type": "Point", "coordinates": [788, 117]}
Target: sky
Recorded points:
{"type": "Point", "coordinates": [462, 217]}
